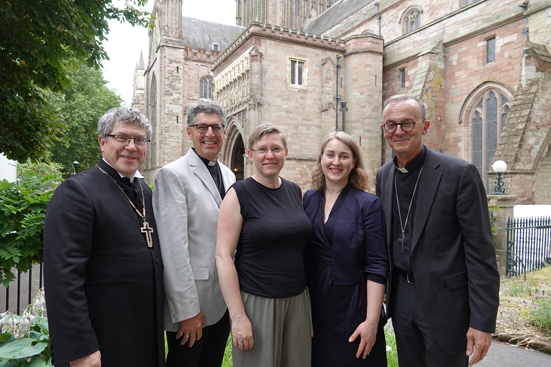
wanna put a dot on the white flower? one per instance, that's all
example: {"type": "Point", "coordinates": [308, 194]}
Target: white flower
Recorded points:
{"type": "Point", "coordinates": [388, 349]}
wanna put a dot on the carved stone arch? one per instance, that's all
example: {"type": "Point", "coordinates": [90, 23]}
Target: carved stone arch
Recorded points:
{"type": "Point", "coordinates": [482, 118]}
{"type": "Point", "coordinates": [233, 152]}
{"type": "Point", "coordinates": [411, 19]}
{"type": "Point", "coordinates": [479, 92]}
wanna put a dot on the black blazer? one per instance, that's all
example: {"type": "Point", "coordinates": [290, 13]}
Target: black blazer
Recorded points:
{"type": "Point", "coordinates": [102, 283]}
{"type": "Point", "coordinates": [453, 254]}
{"type": "Point", "coordinates": [360, 234]}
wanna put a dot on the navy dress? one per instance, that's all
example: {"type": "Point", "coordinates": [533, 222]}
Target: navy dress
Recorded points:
{"type": "Point", "coordinates": [337, 310]}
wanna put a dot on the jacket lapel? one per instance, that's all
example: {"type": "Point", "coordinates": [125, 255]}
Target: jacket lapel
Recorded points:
{"type": "Point", "coordinates": [203, 174]}
{"type": "Point", "coordinates": [428, 186]}
{"type": "Point", "coordinates": [388, 182]}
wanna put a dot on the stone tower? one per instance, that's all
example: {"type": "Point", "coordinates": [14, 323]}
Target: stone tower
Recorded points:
{"type": "Point", "coordinates": [164, 84]}
{"type": "Point", "coordinates": [295, 14]}
{"type": "Point", "coordinates": [181, 52]}
{"type": "Point", "coordinates": [138, 97]}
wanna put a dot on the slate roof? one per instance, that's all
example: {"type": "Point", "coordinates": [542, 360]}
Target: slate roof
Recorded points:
{"type": "Point", "coordinates": [334, 15]}
{"type": "Point", "coordinates": [201, 34]}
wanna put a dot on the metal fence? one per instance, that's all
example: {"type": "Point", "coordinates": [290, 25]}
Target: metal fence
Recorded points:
{"type": "Point", "coordinates": [528, 244]}
{"type": "Point", "coordinates": [21, 291]}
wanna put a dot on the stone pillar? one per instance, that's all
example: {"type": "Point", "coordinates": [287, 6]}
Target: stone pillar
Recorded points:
{"type": "Point", "coordinates": [363, 88]}
{"type": "Point", "coordinates": [504, 210]}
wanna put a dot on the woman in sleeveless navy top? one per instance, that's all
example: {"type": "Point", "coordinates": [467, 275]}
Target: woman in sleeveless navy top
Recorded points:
{"type": "Point", "coordinates": [263, 223]}
{"type": "Point", "coordinates": [347, 259]}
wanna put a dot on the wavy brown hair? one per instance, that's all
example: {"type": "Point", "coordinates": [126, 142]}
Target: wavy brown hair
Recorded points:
{"type": "Point", "coordinates": [358, 175]}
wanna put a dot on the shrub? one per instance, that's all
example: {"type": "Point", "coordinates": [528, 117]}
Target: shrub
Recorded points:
{"type": "Point", "coordinates": [540, 314]}
{"type": "Point", "coordinates": [22, 209]}
{"type": "Point", "coordinates": [25, 339]}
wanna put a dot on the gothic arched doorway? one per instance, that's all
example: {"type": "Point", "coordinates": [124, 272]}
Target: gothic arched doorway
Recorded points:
{"type": "Point", "coordinates": [233, 152]}
{"type": "Point", "coordinates": [238, 158]}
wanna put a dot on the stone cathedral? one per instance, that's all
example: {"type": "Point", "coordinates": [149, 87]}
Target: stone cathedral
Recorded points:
{"type": "Point", "coordinates": [482, 68]}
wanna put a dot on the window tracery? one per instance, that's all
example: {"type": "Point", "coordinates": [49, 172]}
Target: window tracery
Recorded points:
{"type": "Point", "coordinates": [487, 110]}
{"type": "Point", "coordinates": [411, 19]}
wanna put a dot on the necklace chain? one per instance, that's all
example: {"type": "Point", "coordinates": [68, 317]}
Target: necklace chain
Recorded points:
{"type": "Point", "coordinates": [145, 229]}
{"type": "Point", "coordinates": [333, 197]}
{"type": "Point", "coordinates": [403, 227]}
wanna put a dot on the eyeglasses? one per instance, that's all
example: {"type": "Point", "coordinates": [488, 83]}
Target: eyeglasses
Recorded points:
{"type": "Point", "coordinates": [406, 125]}
{"type": "Point", "coordinates": [203, 128]}
{"type": "Point", "coordinates": [274, 150]}
{"type": "Point", "coordinates": [124, 139]}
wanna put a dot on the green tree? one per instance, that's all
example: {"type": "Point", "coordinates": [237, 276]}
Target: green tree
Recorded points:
{"type": "Point", "coordinates": [39, 41]}
{"type": "Point", "coordinates": [79, 109]}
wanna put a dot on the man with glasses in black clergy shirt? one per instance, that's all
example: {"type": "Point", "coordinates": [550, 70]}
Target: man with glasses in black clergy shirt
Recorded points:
{"type": "Point", "coordinates": [187, 197]}
{"type": "Point", "coordinates": [443, 291]}
{"type": "Point", "coordinates": [103, 269]}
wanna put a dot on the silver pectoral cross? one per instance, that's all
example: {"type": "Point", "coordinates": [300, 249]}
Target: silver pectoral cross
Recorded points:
{"type": "Point", "coordinates": [147, 230]}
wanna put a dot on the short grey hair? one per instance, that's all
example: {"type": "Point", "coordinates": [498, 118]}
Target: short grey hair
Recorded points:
{"type": "Point", "coordinates": [402, 98]}
{"type": "Point", "coordinates": [205, 106]}
{"type": "Point", "coordinates": [124, 115]}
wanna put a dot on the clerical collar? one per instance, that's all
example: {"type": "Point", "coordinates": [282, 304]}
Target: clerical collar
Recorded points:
{"type": "Point", "coordinates": [205, 161]}
{"type": "Point", "coordinates": [412, 166]}
{"type": "Point", "coordinates": [137, 174]}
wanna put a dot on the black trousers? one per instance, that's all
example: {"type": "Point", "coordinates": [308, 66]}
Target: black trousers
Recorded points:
{"type": "Point", "coordinates": [416, 345]}
{"type": "Point", "coordinates": [206, 352]}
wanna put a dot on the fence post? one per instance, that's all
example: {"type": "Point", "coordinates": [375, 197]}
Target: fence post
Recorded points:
{"type": "Point", "coordinates": [505, 204]}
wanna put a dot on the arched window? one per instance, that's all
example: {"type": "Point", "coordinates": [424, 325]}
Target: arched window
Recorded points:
{"type": "Point", "coordinates": [487, 118]}
{"type": "Point", "coordinates": [411, 19]}
{"type": "Point", "coordinates": [205, 87]}
{"type": "Point", "coordinates": [153, 93]}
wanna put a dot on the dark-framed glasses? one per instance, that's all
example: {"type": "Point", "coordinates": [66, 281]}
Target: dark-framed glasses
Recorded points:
{"type": "Point", "coordinates": [406, 125]}
{"type": "Point", "coordinates": [203, 128]}
{"type": "Point", "coordinates": [125, 139]}
{"type": "Point", "coordinates": [274, 150]}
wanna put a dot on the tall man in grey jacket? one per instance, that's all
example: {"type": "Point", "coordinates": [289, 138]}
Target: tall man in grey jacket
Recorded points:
{"type": "Point", "coordinates": [186, 199]}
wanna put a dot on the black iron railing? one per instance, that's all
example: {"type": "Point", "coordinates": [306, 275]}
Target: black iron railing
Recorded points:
{"type": "Point", "coordinates": [22, 290]}
{"type": "Point", "coordinates": [528, 244]}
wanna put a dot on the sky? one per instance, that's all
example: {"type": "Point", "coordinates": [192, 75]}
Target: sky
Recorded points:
{"type": "Point", "coordinates": [125, 42]}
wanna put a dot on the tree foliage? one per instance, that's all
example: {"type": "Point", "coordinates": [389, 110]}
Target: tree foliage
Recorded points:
{"type": "Point", "coordinates": [79, 109]}
{"type": "Point", "coordinates": [39, 41]}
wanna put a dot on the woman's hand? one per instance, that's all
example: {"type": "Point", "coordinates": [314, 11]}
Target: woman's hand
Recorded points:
{"type": "Point", "coordinates": [242, 333]}
{"type": "Point", "coordinates": [368, 333]}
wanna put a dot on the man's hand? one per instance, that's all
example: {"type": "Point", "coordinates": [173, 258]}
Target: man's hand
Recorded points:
{"type": "Point", "coordinates": [191, 329]}
{"type": "Point", "coordinates": [479, 343]}
{"type": "Point", "coordinates": [91, 360]}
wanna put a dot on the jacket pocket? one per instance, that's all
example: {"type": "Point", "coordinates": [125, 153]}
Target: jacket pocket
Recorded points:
{"type": "Point", "coordinates": [201, 273]}
{"type": "Point", "coordinates": [458, 280]}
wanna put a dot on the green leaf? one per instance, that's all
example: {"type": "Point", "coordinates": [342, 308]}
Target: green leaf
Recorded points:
{"type": "Point", "coordinates": [5, 337]}
{"type": "Point", "coordinates": [9, 362]}
{"type": "Point", "coordinates": [22, 348]}
{"type": "Point", "coordinates": [37, 361]}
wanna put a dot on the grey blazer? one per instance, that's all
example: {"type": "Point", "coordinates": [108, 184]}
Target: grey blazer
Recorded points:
{"type": "Point", "coordinates": [186, 202]}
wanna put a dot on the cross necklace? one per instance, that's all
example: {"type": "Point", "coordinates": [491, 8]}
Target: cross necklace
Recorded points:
{"type": "Point", "coordinates": [403, 226]}
{"type": "Point", "coordinates": [145, 228]}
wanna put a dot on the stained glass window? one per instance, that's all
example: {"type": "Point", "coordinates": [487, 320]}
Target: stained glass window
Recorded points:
{"type": "Point", "coordinates": [487, 121]}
